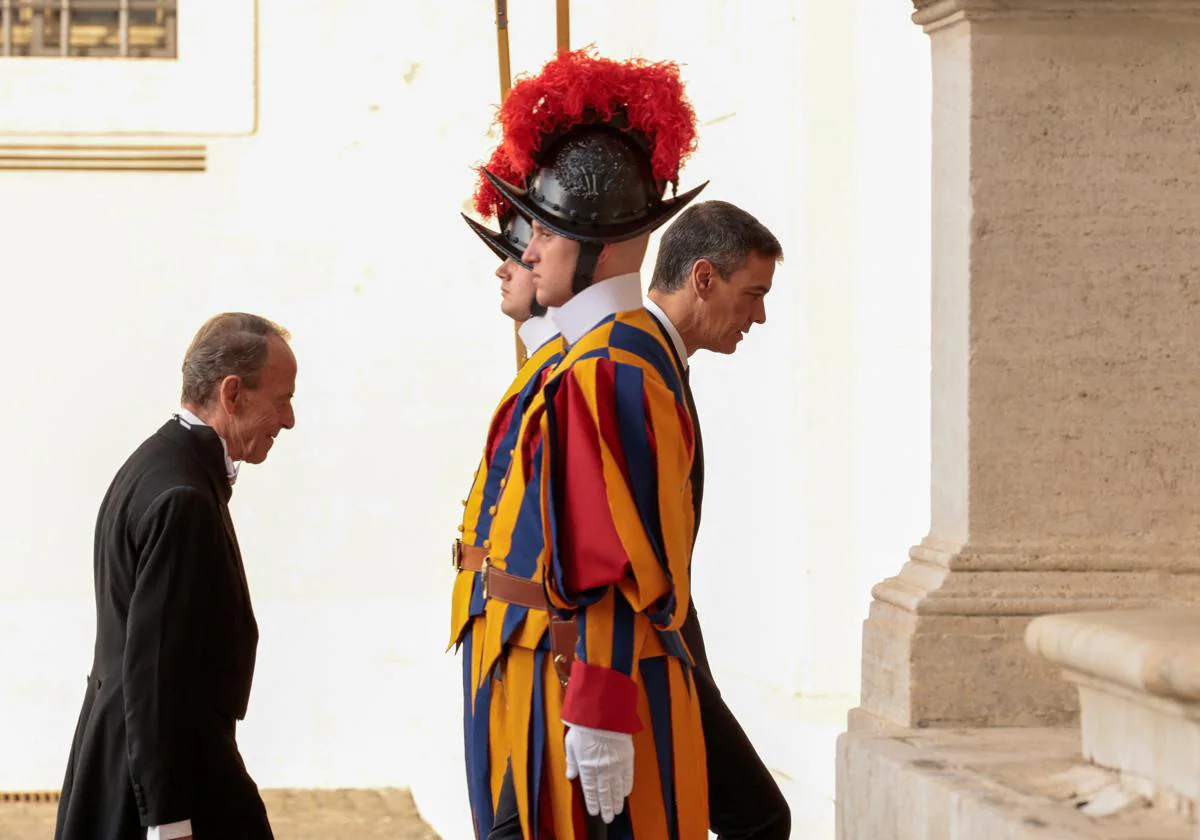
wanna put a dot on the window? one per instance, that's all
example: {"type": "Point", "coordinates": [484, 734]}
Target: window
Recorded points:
{"type": "Point", "coordinates": [89, 28]}
{"type": "Point", "coordinates": [205, 84]}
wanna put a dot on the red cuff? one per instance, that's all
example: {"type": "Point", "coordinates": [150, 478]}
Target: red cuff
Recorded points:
{"type": "Point", "coordinates": [601, 698]}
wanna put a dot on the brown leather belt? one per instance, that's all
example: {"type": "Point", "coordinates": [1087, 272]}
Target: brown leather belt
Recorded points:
{"type": "Point", "coordinates": [467, 557]}
{"type": "Point", "coordinates": [530, 594]}
{"type": "Point", "coordinates": [512, 589]}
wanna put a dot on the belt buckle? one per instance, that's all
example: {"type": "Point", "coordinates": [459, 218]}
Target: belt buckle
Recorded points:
{"type": "Point", "coordinates": [485, 573]}
{"type": "Point", "coordinates": [456, 555]}
{"type": "Point", "coordinates": [562, 669]}
{"type": "Point", "coordinates": [563, 655]}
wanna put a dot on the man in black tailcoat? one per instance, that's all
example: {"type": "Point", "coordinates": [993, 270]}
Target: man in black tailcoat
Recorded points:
{"type": "Point", "coordinates": [154, 754]}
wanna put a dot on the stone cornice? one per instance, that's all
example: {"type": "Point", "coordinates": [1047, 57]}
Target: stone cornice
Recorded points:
{"type": "Point", "coordinates": [935, 14]}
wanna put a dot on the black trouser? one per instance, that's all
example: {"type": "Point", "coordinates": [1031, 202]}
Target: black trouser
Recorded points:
{"type": "Point", "coordinates": [508, 821]}
{"type": "Point", "coordinates": [744, 803]}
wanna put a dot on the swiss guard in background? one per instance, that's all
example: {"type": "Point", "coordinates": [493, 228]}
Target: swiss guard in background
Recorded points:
{"type": "Point", "coordinates": [483, 707]}
{"type": "Point", "coordinates": [596, 517]}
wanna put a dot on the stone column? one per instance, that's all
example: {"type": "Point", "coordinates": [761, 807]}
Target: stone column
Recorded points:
{"type": "Point", "coordinates": [1066, 350]}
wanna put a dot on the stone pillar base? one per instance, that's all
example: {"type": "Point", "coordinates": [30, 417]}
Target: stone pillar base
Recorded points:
{"type": "Point", "coordinates": [944, 642]}
{"type": "Point", "coordinates": [958, 670]}
{"type": "Point", "coordinates": [1021, 783]}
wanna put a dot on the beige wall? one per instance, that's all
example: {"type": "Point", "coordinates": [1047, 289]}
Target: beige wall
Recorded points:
{"type": "Point", "coordinates": [339, 218]}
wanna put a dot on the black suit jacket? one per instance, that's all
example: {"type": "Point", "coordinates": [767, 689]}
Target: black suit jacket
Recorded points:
{"type": "Point", "coordinates": [174, 658]}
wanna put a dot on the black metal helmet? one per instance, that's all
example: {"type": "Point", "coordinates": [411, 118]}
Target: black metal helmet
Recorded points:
{"type": "Point", "coordinates": [595, 184]}
{"type": "Point", "coordinates": [511, 241]}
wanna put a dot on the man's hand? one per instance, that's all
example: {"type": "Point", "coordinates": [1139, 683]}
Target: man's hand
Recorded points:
{"type": "Point", "coordinates": [603, 761]}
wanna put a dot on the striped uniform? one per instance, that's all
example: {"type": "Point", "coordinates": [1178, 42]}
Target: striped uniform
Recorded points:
{"type": "Point", "coordinates": [598, 507]}
{"type": "Point", "coordinates": [483, 708]}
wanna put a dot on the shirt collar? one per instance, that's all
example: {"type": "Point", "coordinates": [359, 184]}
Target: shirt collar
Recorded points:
{"type": "Point", "coordinates": [663, 319]}
{"type": "Point", "coordinates": [189, 419]}
{"type": "Point", "coordinates": [535, 332]}
{"type": "Point", "coordinates": [595, 303]}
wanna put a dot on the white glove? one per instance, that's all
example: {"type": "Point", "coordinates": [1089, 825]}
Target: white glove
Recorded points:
{"type": "Point", "coordinates": [603, 761]}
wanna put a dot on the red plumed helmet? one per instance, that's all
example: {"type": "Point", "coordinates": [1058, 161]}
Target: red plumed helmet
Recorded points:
{"type": "Point", "coordinates": [592, 143]}
{"type": "Point", "coordinates": [513, 238]}
{"type": "Point", "coordinates": [578, 87]}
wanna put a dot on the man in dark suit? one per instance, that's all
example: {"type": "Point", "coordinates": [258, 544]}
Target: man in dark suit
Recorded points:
{"type": "Point", "coordinates": [714, 268]}
{"type": "Point", "coordinates": [154, 753]}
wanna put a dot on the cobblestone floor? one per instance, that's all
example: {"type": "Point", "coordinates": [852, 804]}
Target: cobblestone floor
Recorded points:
{"type": "Point", "coordinates": [295, 815]}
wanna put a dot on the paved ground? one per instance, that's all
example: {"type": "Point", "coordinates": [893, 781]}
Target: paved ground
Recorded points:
{"type": "Point", "coordinates": [295, 815]}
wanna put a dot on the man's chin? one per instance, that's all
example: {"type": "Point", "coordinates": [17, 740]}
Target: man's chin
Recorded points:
{"type": "Point", "coordinates": [547, 297]}
{"type": "Point", "coordinates": [260, 452]}
{"type": "Point", "coordinates": [520, 314]}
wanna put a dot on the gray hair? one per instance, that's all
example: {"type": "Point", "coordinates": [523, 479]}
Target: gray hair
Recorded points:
{"type": "Point", "coordinates": [229, 344]}
{"type": "Point", "coordinates": [717, 231]}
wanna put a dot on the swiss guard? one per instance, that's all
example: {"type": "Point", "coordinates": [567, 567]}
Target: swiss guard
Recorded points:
{"type": "Point", "coordinates": [587, 579]}
{"type": "Point", "coordinates": [483, 706]}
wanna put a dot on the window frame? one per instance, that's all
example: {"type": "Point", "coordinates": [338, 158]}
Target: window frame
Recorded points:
{"type": "Point", "coordinates": [72, 21]}
{"type": "Point", "coordinates": [209, 89]}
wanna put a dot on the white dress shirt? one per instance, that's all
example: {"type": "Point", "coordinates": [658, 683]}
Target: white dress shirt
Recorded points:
{"type": "Point", "coordinates": [170, 831]}
{"type": "Point", "coordinates": [595, 303]}
{"type": "Point", "coordinates": [676, 338]}
{"type": "Point", "coordinates": [535, 332]}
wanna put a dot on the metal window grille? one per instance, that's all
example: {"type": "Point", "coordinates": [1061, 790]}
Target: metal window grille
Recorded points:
{"type": "Point", "coordinates": [88, 28]}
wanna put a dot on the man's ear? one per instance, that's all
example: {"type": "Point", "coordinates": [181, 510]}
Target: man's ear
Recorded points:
{"type": "Point", "coordinates": [605, 253]}
{"type": "Point", "coordinates": [703, 278]}
{"type": "Point", "coordinates": [228, 393]}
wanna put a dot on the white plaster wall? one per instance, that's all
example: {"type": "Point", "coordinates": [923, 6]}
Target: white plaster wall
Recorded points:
{"type": "Point", "coordinates": [892, 306]}
{"type": "Point", "coordinates": [339, 218]}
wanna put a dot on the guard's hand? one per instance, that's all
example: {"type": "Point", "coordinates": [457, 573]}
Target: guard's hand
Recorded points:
{"type": "Point", "coordinates": [603, 762]}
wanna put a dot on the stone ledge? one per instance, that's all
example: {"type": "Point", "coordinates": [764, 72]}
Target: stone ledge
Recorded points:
{"type": "Point", "coordinates": [988, 784]}
{"type": "Point", "coordinates": [1138, 675]}
{"type": "Point", "coordinates": [1151, 651]}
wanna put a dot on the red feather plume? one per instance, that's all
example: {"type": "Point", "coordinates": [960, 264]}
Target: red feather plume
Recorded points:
{"type": "Point", "coordinates": [574, 82]}
{"type": "Point", "coordinates": [488, 201]}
